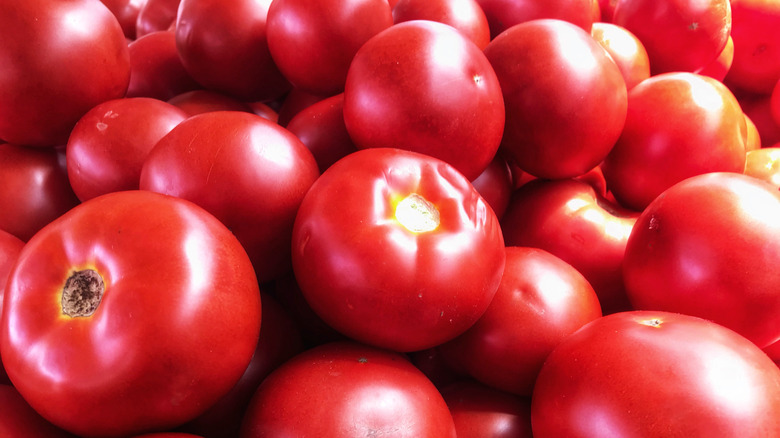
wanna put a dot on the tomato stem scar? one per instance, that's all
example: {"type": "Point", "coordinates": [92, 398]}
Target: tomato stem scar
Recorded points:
{"type": "Point", "coordinates": [82, 293]}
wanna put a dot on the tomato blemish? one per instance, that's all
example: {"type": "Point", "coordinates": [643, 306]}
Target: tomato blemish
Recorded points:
{"type": "Point", "coordinates": [82, 293]}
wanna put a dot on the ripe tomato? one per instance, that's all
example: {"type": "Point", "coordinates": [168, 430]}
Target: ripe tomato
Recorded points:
{"type": "Point", "coordinates": [223, 46]}
{"type": "Point", "coordinates": [465, 15]}
{"type": "Point", "coordinates": [764, 163]}
{"type": "Point", "coordinates": [126, 13]}
{"type": "Point", "coordinates": [156, 15]}
{"type": "Point", "coordinates": [540, 301]}
{"type": "Point", "coordinates": [347, 390]}
{"type": "Point", "coordinates": [116, 315]}
{"type": "Point", "coordinates": [656, 374]}
{"type": "Point", "coordinates": [719, 67]}
{"type": "Point", "coordinates": [247, 171]}
{"type": "Point", "coordinates": [313, 43]}
{"type": "Point", "coordinates": [423, 86]}
{"type": "Point", "coordinates": [59, 59]}
{"type": "Point", "coordinates": [625, 49]}
{"type": "Point", "coordinates": [155, 68]}
{"type": "Point", "coordinates": [678, 125]}
{"type": "Point", "coordinates": [708, 247]}
{"type": "Point", "coordinates": [503, 14]}
{"type": "Point", "coordinates": [480, 411]}
{"type": "Point", "coordinates": [205, 101]}
{"type": "Point", "coordinates": [108, 145]}
{"type": "Point", "coordinates": [35, 188]}
{"type": "Point", "coordinates": [679, 35]}
{"type": "Point", "coordinates": [406, 227]}
{"type": "Point", "coordinates": [756, 35]}
{"type": "Point", "coordinates": [565, 97]}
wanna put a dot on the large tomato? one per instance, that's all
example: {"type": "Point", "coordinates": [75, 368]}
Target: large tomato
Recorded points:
{"type": "Point", "coordinates": [425, 87]}
{"type": "Point", "coordinates": [679, 35]}
{"type": "Point", "coordinates": [347, 390]}
{"type": "Point", "coordinates": [397, 249]}
{"type": "Point", "coordinates": [313, 42]}
{"type": "Point", "coordinates": [58, 59]}
{"type": "Point", "coordinates": [708, 246]}
{"type": "Point", "coordinates": [249, 172]}
{"type": "Point", "coordinates": [756, 35]}
{"type": "Point", "coordinates": [565, 97]}
{"type": "Point", "coordinates": [35, 188]}
{"type": "Point", "coordinates": [117, 315]}
{"type": "Point", "coordinates": [156, 69]}
{"type": "Point", "coordinates": [678, 125]}
{"type": "Point", "coordinates": [656, 375]}
{"type": "Point", "coordinates": [465, 15]}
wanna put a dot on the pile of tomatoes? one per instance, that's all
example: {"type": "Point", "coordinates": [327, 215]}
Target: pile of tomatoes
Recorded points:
{"type": "Point", "coordinates": [407, 218]}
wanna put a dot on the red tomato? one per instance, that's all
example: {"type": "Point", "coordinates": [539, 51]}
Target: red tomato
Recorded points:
{"type": "Point", "coordinates": [405, 226]}
{"type": "Point", "coordinates": [321, 128]}
{"type": "Point", "coordinates": [401, 94]}
{"type": "Point", "coordinates": [204, 101]}
{"type": "Point", "coordinates": [313, 43]}
{"type": "Point", "coordinates": [756, 35]}
{"type": "Point", "coordinates": [60, 58]}
{"type": "Point", "coordinates": [569, 219]}
{"type": "Point", "coordinates": [679, 35]}
{"type": "Point", "coordinates": [126, 13]}
{"type": "Point", "coordinates": [35, 189]}
{"type": "Point", "coordinates": [480, 411]}
{"type": "Point", "coordinates": [155, 68]}
{"type": "Point", "coordinates": [223, 46]}
{"type": "Point", "coordinates": [708, 247]}
{"type": "Point", "coordinates": [656, 374]}
{"type": "Point", "coordinates": [503, 14]}
{"type": "Point", "coordinates": [565, 97]}
{"type": "Point", "coordinates": [678, 125]}
{"type": "Point", "coordinates": [18, 419]}
{"type": "Point", "coordinates": [625, 49]}
{"type": "Point", "coordinates": [347, 390]}
{"type": "Point", "coordinates": [295, 101]}
{"type": "Point", "coordinates": [718, 68]}
{"type": "Point", "coordinates": [116, 315]}
{"type": "Point", "coordinates": [10, 247]}
{"type": "Point", "coordinates": [156, 15]}
{"type": "Point", "coordinates": [465, 15]}
{"type": "Point", "coordinates": [247, 171]}
{"type": "Point", "coordinates": [540, 301]}
{"type": "Point", "coordinates": [108, 145]}
{"type": "Point", "coordinates": [753, 137]}
{"type": "Point", "coordinates": [764, 163]}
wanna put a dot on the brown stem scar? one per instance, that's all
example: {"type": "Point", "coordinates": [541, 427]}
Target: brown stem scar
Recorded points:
{"type": "Point", "coordinates": [82, 293]}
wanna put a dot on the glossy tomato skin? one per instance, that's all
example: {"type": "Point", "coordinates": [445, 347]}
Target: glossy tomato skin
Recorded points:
{"type": "Point", "coordinates": [224, 47]}
{"type": "Point", "coordinates": [155, 67]}
{"type": "Point", "coordinates": [563, 114]}
{"type": "Point", "coordinates": [406, 290]}
{"type": "Point", "coordinates": [109, 144]}
{"type": "Point", "coordinates": [503, 14]}
{"type": "Point", "coordinates": [313, 43]}
{"type": "Point", "coordinates": [156, 15]}
{"type": "Point", "coordinates": [247, 171]}
{"type": "Point", "coordinates": [707, 247]}
{"type": "Point", "coordinates": [679, 35]}
{"type": "Point", "coordinates": [153, 354]}
{"type": "Point", "coordinates": [465, 15]}
{"type": "Point", "coordinates": [625, 49]}
{"type": "Point", "coordinates": [479, 411]}
{"type": "Point", "coordinates": [756, 34]}
{"type": "Point", "coordinates": [574, 222]}
{"type": "Point", "coordinates": [400, 93]}
{"type": "Point", "coordinates": [20, 420]}
{"type": "Point", "coordinates": [10, 247]}
{"type": "Point", "coordinates": [347, 390]}
{"type": "Point", "coordinates": [764, 163]}
{"type": "Point", "coordinates": [678, 125]}
{"type": "Point", "coordinates": [35, 188]}
{"type": "Point", "coordinates": [656, 374]}
{"type": "Point", "coordinates": [126, 13]}
{"type": "Point", "coordinates": [49, 79]}
{"type": "Point", "coordinates": [540, 301]}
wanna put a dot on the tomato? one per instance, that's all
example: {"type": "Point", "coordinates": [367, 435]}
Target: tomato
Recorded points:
{"type": "Point", "coordinates": [569, 219]}
{"type": "Point", "coordinates": [347, 390]}
{"type": "Point", "coordinates": [479, 411]}
{"type": "Point", "coordinates": [109, 144]}
{"type": "Point", "coordinates": [293, 102]}
{"type": "Point", "coordinates": [718, 68]}
{"type": "Point", "coordinates": [625, 49]}
{"type": "Point", "coordinates": [406, 227]}
{"type": "Point", "coordinates": [10, 247]}
{"type": "Point", "coordinates": [678, 125]}
{"type": "Point", "coordinates": [116, 315]}
{"type": "Point", "coordinates": [465, 15]}
{"type": "Point", "coordinates": [49, 57]}
{"type": "Point", "coordinates": [656, 374]}
{"type": "Point", "coordinates": [126, 13]}
{"type": "Point", "coordinates": [35, 188]}
{"type": "Point", "coordinates": [321, 128]}
{"type": "Point", "coordinates": [205, 101]}
{"type": "Point", "coordinates": [400, 95]}
{"type": "Point", "coordinates": [707, 247]}
{"type": "Point", "coordinates": [495, 185]}
{"type": "Point", "coordinates": [313, 43]}
{"type": "Point", "coordinates": [679, 35]}
{"type": "Point", "coordinates": [540, 301]}
{"type": "Point", "coordinates": [756, 34]}
{"type": "Point", "coordinates": [764, 163]}
{"type": "Point", "coordinates": [503, 14]}
{"type": "Point", "coordinates": [155, 68]}
{"type": "Point", "coordinates": [264, 110]}
{"type": "Point", "coordinates": [155, 16]}
{"type": "Point", "coordinates": [20, 420]}
{"type": "Point", "coordinates": [565, 97]}
{"type": "Point", "coordinates": [223, 46]}
{"type": "Point", "coordinates": [247, 171]}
